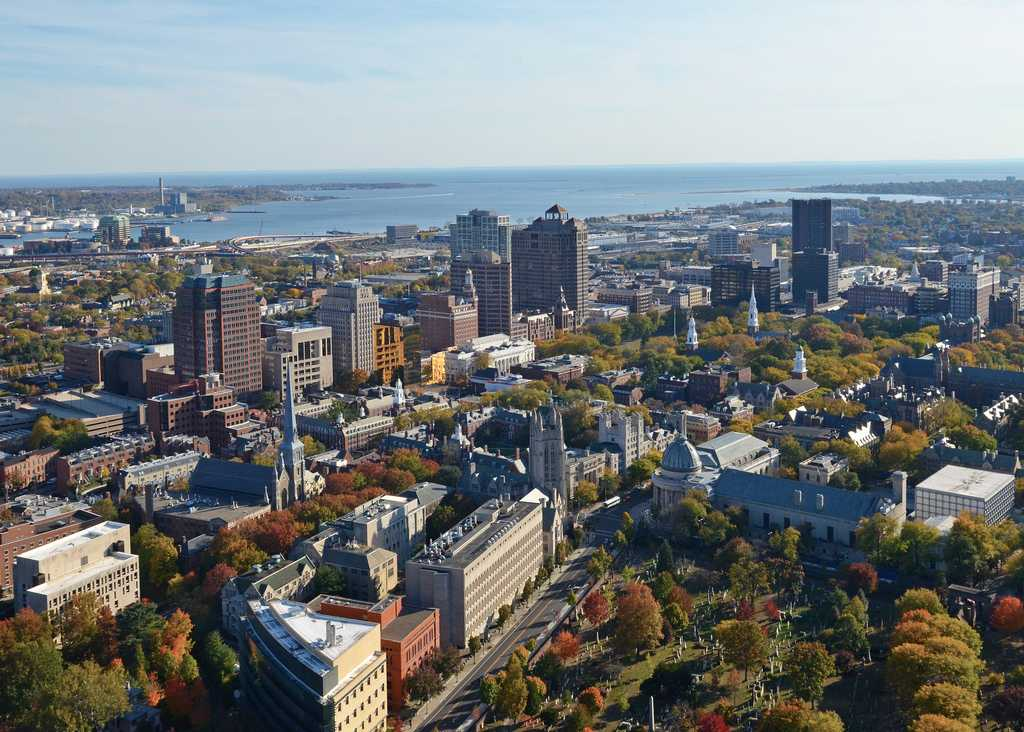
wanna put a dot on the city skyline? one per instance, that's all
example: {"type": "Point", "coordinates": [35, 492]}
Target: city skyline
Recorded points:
{"type": "Point", "coordinates": [214, 88]}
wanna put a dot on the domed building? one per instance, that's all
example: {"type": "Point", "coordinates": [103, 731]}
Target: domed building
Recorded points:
{"type": "Point", "coordinates": [681, 471]}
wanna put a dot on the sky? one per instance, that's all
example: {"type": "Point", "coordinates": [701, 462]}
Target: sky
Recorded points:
{"type": "Point", "coordinates": [105, 86]}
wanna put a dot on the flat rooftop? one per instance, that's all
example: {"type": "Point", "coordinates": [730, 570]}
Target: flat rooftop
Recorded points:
{"type": "Point", "coordinates": [84, 575]}
{"type": "Point", "coordinates": [304, 633]}
{"type": "Point", "coordinates": [460, 546]}
{"type": "Point", "coordinates": [73, 541]}
{"type": "Point", "coordinates": [956, 480]}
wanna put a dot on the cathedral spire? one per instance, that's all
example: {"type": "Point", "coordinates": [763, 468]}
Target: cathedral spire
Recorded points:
{"type": "Point", "coordinates": [752, 325]}
{"type": "Point", "coordinates": [291, 455]}
{"type": "Point", "coordinates": [691, 335]}
{"type": "Point", "coordinates": [799, 364]}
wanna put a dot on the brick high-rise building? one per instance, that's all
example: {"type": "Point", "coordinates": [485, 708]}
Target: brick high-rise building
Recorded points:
{"type": "Point", "coordinates": [217, 330]}
{"type": "Point", "coordinates": [492, 279]}
{"type": "Point", "coordinates": [548, 256]}
{"type": "Point", "coordinates": [447, 320]}
{"type": "Point", "coordinates": [388, 350]}
{"type": "Point", "coordinates": [351, 309]}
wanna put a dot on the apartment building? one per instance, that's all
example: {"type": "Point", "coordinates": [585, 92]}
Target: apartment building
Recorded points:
{"type": "Point", "coordinates": [101, 462]}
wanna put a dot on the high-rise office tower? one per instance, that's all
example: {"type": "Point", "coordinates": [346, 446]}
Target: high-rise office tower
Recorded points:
{"type": "Point", "coordinates": [548, 256]}
{"type": "Point", "coordinates": [731, 283]}
{"type": "Point", "coordinates": [815, 272]}
{"type": "Point", "coordinates": [815, 263]}
{"type": "Point", "coordinates": [970, 290]}
{"type": "Point", "coordinates": [217, 329]}
{"type": "Point", "coordinates": [350, 308]}
{"type": "Point", "coordinates": [724, 242]}
{"type": "Point", "coordinates": [812, 225]}
{"type": "Point", "coordinates": [492, 276]}
{"type": "Point", "coordinates": [481, 231]}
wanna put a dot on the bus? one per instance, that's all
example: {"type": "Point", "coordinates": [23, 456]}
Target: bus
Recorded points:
{"type": "Point", "coordinates": [613, 501]}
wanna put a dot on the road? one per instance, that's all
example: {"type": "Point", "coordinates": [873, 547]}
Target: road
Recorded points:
{"type": "Point", "coordinates": [604, 522]}
{"type": "Point", "coordinates": [460, 700]}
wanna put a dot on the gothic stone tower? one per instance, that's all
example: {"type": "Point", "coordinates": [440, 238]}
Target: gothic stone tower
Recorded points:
{"type": "Point", "coordinates": [547, 454]}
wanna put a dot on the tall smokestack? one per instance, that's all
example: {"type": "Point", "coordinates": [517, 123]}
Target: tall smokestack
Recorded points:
{"type": "Point", "coordinates": [161, 190]}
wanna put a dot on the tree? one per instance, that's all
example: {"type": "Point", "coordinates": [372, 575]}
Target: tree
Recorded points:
{"type": "Point", "coordinates": [810, 666]}
{"type": "Point", "coordinates": [676, 617]}
{"type": "Point", "coordinates": [731, 552]}
{"type": "Point", "coordinates": [666, 561]}
{"type": "Point", "coordinates": [329, 580]}
{"type": "Point", "coordinates": [900, 448]}
{"type": "Point", "coordinates": [231, 548]}
{"type": "Point", "coordinates": [970, 437]}
{"type": "Point", "coordinates": [586, 492]}
{"type": "Point", "coordinates": [743, 644]}
{"type": "Point", "coordinates": [748, 579]}
{"type": "Point", "coordinates": [911, 665]}
{"type": "Point", "coordinates": [87, 698]}
{"type": "Point", "coordinates": [106, 509]}
{"type": "Point", "coordinates": [860, 577]}
{"type": "Point", "coordinates": [220, 659]}
{"type": "Point", "coordinates": [628, 526]}
{"type": "Point", "coordinates": [489, 687]}
{"type": "Point", "coordinates": [592, 699]}
{"type": "Point", "coordinates": [712, 722]}
{"type": "Point", "coordinates": [873, 533]}
{"type": "Point", "coordinates": [446, 661]}
{"type": "Point", "coordinates": [797, 716]}
{"type": "Point", "coordinates": [1007, 707]}
{"type": "Point", "coordinates": [947, 700]}
{"type": "Point", "coordinates": [158, 559]}
{"type": "Point", "coordinates": [971, 549]}
{"type": "Point", "coordinates": [32, 673]}
{"type": "Point", "coordinates": [504, 613]}
{"type": "Point", "coordinates": [566, 646]}
{"type": "Point", "coordinates": [475, 644]}
{"type": "Point", "coordinates": [423, 683]}
{"type": "Point", "coordinates": [919, 599]}
{"type": "Point", "coordinates": [791, 452]}
{"type": "Point", "coordinates": [512, 693]}
{"type": "Point", "coordinates": [536, 692]}
{"type": "Point", "coordinates": [595, 608]}
{"type": "Point", "coordinates": [599, 564]}
{"type": "Point", "coordinates": [78, 626]}
{"type": "Point", "coordinates": [785, 544]}
{"type": "Point", "coordinates": [639, 623]}
{"type": "Point", "coordinates": [938, 723]}
{"type": "Point", "coordinates": [1008, 615]}
{"type": "Point", "coordinates": [215, 580]}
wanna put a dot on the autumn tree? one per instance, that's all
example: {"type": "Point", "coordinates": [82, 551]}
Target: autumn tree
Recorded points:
{"type": "Point", "coordinates": [860, 577]}
{"type": "Point", "coordinates": [639, 624]}
{"type": "Point", "coordinates": [947, 700]}
{"type": "Point", "coordinates": [919, 599]}
{"type": "Point", "coordinates": [158, 559]}
{"type": "Point", "coordinates": [599, 564]}
{"type": "Point", "coordinates": [423, 683]}
{"type": "Point", "coordinates": [512, 694]}
{"type": "Point", "coordinates": [566, 646]}
{"type": "Point", "coordinates": [596, 608]}
{"type": "Point", "coordinates": [810, 666]}
{"type": "Point", "coordinates": [536, 692]}
{"type": "Point", "coordinates": [215, 580]}
{"type": "Point", "coordinates": [938, 723]}
{"type": "Point", "coordinates": [592, 699]}
{"type": "Point", "coordinates": [1008, 615]}
{"type": "Point", "coordinates": [900, 448]}
{"type": "Point", "coordinates": [798, 716]}
{"type": "Point", "coordinates": [744, 644]}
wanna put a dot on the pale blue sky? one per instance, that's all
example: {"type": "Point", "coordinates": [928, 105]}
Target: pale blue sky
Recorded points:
{"type": "Point", "coordinates": [112, 86]}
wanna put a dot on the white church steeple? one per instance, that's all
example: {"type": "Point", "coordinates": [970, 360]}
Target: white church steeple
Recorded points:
{"type": "Point", "coordinates": [752, 325]}
{"type": "Point", "coordinates": [691, 335]}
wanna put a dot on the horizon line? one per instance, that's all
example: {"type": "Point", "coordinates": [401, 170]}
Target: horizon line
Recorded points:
{"type": "Point", "coordinates": [254, 171]}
